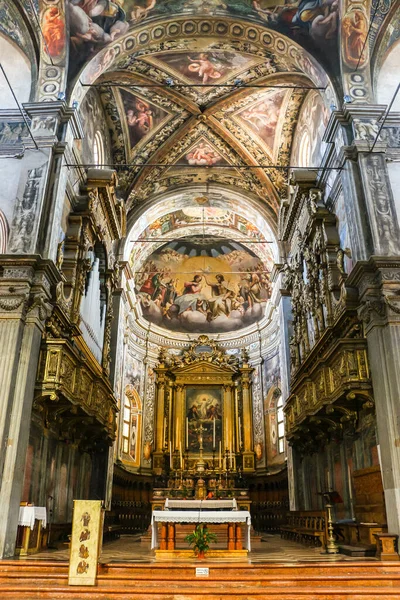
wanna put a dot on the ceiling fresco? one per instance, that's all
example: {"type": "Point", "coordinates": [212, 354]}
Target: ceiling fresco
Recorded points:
{"type": "Point", "coordinates": [203, 284]}
{"type": "Point", "coordinates": [142, 118]}
{"type": "Point", "coordinates": [261, 117]}
{"type": "Point", "coordinates": [202, 153]}
{"type": "Point", "coordinates": [204, 67]}
{"type": "Point", "coordinates": [311, 23]}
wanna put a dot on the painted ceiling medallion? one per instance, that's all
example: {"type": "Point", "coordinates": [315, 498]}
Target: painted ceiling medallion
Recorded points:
{"type": "Point", "coordinates": [208, 66]}
{"type": "Point", "coordinates": [202, 154]}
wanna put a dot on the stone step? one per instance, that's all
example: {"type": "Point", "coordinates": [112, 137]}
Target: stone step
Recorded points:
{"type": "Point", "coordinates": [347, 592]}
{"type": "Point", "coordinates": [356, 580]}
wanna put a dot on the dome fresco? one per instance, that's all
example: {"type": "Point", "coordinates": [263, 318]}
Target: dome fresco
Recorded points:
{"type": "Point", "coordinates": [202, 284]}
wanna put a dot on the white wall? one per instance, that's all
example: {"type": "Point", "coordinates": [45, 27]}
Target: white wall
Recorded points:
{"type": "Point", "coordinates": [18, 71]}
{"type": "Point", "coordinates": [388, 78]}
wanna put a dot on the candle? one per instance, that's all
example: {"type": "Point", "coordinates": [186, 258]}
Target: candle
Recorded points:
{"type": "Point", "coordinates": [187, 432]}
{"type": "Point", "coordinates": [219, 458]}
{"type": "Point", "coordinates": [329, 480]}
{"type": "Point", "coordinates": [231, 459]}
{"type": "Point", "coordinates": [240, 433]}
{"type": "Point", "coordinates": [213, 434]}
{"type": "Point", "coordinates": [180, 454]}
{"type": "Point", "coordinates": [165, 431]}
{"type": "Point", "coordinates": [170, 454]}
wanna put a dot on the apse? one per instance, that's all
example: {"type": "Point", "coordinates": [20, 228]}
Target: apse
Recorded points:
{"type": "Point", "coordinates": [203, 284]}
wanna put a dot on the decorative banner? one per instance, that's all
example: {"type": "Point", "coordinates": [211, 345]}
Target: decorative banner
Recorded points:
{"type": "Point", "coordinates": [87, 533]}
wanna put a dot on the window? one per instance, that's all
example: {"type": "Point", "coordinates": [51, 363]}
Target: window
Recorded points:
{"type": "Point", "coordinates": [131, 423]}
{"type": "Point", "coordinates": [98, 150]}
{"type": "Point", "coordinates": [126, 427]}
{"type": "Point", "coordinates": [281, 426]}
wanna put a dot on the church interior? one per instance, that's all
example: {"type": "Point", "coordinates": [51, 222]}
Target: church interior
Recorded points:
{"type": "Point", "coordinates": [199, 299]}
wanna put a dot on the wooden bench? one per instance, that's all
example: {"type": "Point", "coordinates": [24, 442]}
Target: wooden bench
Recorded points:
{"type": "Point", "coordinates": [112, 526]}
{"type": "Point", "coordinates": [306, 526]}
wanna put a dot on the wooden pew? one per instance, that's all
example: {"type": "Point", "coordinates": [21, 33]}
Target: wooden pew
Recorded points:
{"type": "Point", "coordinates": [306, 526]}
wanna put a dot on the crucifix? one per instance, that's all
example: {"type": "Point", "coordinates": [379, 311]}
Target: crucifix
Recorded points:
{"type": "Point", "coordinates": [200, 466]}
{"type": "Point", "coordinates": [200, 430]}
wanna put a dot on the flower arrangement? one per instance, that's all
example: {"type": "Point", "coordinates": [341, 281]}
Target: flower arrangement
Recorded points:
{"type": "Point", "coordinates": [201, 539]}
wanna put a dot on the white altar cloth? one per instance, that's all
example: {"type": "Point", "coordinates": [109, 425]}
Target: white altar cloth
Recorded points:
{"type": "Point", "coordinates": [29, 514]}
{"type": "Point", "coordinates": [201, 504]}
{"type": "Point", "coordinates": [200, 516]}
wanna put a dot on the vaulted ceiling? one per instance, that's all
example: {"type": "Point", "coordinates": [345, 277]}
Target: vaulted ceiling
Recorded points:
{"type": "Point", "coordinates": [172, 111]}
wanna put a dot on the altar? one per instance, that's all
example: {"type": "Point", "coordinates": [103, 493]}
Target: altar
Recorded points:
{"type": "Point", "coordinates": [220, 512]}
{"type": "Point", "coordinates": [203, 447]}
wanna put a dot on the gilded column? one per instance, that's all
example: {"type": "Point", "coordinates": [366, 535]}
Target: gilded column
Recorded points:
{"type": "Point", "coordinates": [162, 387]}
{"type": "Point", "coordinates": [236, 420]}
{"type": "Point", "coordinates": [228, 418]}
{"type": "Point", "coordinates": [178, 416]}
{"type": "Point", "coordinates": [248, 452]}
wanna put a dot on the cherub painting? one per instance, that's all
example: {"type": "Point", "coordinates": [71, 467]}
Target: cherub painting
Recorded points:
{"type": "Point", "coordinates": [141, 116]}
{"type": "Point", "coordinates": [262, 117]}
{"type": "Point", "coordinates": [203, 154]}
{"type": "Point", "coordinates": [207, 67]}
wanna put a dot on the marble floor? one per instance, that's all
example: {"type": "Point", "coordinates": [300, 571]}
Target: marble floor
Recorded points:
{"type": "Point", "coordinates": [271, 548]}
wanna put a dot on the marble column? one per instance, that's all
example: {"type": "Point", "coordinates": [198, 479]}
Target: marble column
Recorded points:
{"type": "Point", "coordinates": [24, 306]}
{"type": "Point", "coordinates": [378, 281]}
{"type": "Point", "coordinates": [283, 303]}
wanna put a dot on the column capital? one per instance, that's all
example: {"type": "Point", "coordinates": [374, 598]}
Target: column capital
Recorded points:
{"type": "Point", "coordinates": [364, 120]}
{"type": "Point", "coordinates": [46, 116]}
{"type": "Point", "coordinates": [26, 287]}
{"type": "Point", "coordinates": [378, 281]}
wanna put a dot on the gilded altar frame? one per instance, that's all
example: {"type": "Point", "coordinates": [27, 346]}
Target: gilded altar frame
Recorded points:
{"type": "Point", "coordinates": [206, 367]}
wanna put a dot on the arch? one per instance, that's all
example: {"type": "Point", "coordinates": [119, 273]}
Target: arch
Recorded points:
{"type": "Point", "coordinates": [245, 204]}
{"type": "Point", "coordinates": [140, 39]}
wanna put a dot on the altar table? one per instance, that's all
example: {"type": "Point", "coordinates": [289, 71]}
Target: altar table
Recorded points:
{"type": "Point", "coordinates": [31, 522]}
{"type": "Point", "coordinates": [200, 504]}
{"type": "Point", "coordinates": [169, 518]}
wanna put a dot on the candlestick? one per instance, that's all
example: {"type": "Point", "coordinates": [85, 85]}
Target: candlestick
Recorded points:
{"type": "Point", "coordinates": [219, 458]}
{"type": "Point", "coordinates": [165, 432]}
{"type": "Point", "coordinates": [231, 463]}
{"type": "Point", "coordinates": [187, 432]}
{"type": "Point", "coordinates": [180, 454]}
{"type": "Point", "coordinates": [170, 454]}
{"type": "Point", "coordinates": [213, 434]}
{"type": "Point", "coordinates": [240, 434]}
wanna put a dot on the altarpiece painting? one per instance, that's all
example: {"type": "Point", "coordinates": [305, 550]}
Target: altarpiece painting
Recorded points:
{"type": "Point", "coordinates": [204, 406]}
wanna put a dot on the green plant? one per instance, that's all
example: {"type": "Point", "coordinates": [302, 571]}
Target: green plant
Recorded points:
{"type": "Point", "coordinates": [200, 539]}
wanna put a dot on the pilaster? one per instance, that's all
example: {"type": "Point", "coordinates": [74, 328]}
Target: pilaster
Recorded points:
{"type": "Point", "coordinates": [39, 179]}
{"type": "Point", "coordinates": [378, 282]}
{"type": "Point", "coordinates": [25, 292]}
{"type": "Point", "coordinates": [370, 207]}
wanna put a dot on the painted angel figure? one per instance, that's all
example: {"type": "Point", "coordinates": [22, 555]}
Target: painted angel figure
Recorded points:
{"type": "Point", "coordinates": [204, 67]}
